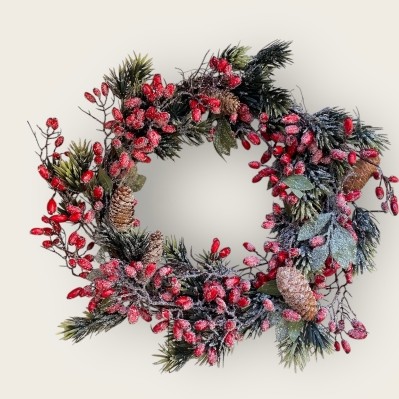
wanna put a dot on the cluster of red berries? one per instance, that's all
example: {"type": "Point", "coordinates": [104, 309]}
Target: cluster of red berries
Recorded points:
{"type": "Point", "coordinates": [222, 66]}
{"type": "Point", "coordinates": [141, 127]}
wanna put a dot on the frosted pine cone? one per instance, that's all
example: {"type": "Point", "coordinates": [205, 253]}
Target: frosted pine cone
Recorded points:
{"type": "Point", "coordinates": [121, 211]}
{"type": "Point", "coordinates": [296, 292]}
{"type": "Point", "coordinates": [155, 249]}
{"type": "Point", "coordinates": [361, 172]}
{"type": "Point", "coordinates": [229, 103]}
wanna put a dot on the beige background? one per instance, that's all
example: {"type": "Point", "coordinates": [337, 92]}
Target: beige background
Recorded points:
{"type": "Point", "coordinates": [345, 54]}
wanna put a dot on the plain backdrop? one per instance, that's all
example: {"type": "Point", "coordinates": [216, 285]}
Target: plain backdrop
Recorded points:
{"type": "Point", "coordinates": [345, 54]}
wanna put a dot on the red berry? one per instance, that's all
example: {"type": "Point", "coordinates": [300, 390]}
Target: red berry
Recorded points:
{"type": "Point", "coordinates": [234, 81]}
{"type": "Point", "coordinates": [278, 150]}
{"type": "Point", "coordinates": [85, 264]}
{"type": "Point", "coordinates": [353, 196]}
{"type": "Point", "coordinates": [251, 261]}
{"type": "Point", "coordinates": [254, 164]}
{"type": "Point", "coordinates": [90, 97]}
{"type": "Point", "coordinates": [59, 218]}
{"type": "Point", "coordinates": [51, 206]}
{"type": "Point", "coordinates": [43, 171]}
{"type": "Point", "coordinates": [332, 326]}
{"type": "Point", "coordinates": [87, 176]}
{"type": "Point", "coordinates": [104, 89]}
{"type": "Point", "coordinates": [299, 168]}
{"type": "Point", "coordinates": [393, 179]}
{"type": "Point", "coordinates": [249, 247]}
{"type": "Point", "coordinates": [215, 245]}
{"type": "Point", "coordinates": [348, 126]}
{"type": "Point", "coordinates": [74, 293]}
{"type": "Point", "coordinates": [290, 119]}
{"type": "Point", "coordinates": [97, 148]}
{"type": "Point", "coordinates": [224, 252]}
{"type": "Point", "coordinates": [338, 155]}
{"type": "Point", "coordinates": [369, 153]}
{"type": "Point", "coordinates": [266, 157]}
{"type": "Point", "coordinates": [346, 346]}
{"type": "Point", "coordinates": [394, 208]}
{"type": "Point", "coordinates": [291, 129]}
{"type": "Point", "coordinates": [337, 346]}
{"type": "Point", "coordinates": [317, 241]}
{"type": "Point", "coordinates": [59, 141]}
{"type": "Point", "coordinates": [98, 192]}
{"type": "Point", "coordinates": [291, 315]}
{"type": "Point", "coordinates": [246, 144]}
{"type": "Point", "coordinates": [268, 305]}
{"type": "Point", "coordinates": [117, 114]}
{"type": "Point", "coordinates": [321, 315]}
{"type": "Point", "coordinates": [37, 231]}
{"type": "Point", "coordinates": [352, 158]}
{"type": "Point", "coordinates": [162, 326]}
{"type": "Point", "coordinates": [196, 115]}
{"type": "Point", "coordinates": [285, 159]}
{"type": "Point", "coordinates": [107, 293]}
{"type": "Point", "coordinates": [243, 302]}
{"type": "Point", "coordinates": [307, 138]}
{"type": "Point", "coordinates": [379, 192]}
{"type": "Point", "coordinates": [253, 138]}
{"type": "Point", "coordinates": [149, 271]}
{"type": "Point", "coordinates": [184, 302]}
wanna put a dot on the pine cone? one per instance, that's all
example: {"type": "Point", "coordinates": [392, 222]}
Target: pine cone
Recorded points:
{"type": "Point", "coordinates": [296, 292]}
{"type": "Point", "coordinates": [229, 103]}
{"type": "Point", "coordinates": [155, 249]}
{"type": "Point", "coordinates": [361, 172]}
{"type": "Point", "coordinates": [121, 210]}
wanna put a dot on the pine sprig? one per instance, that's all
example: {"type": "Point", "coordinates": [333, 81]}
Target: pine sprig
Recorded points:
{"type": "Point", "coordinates": [236, 56]}
{"type": "Point", "coordinates": [131, 74]}
{"type": "Point", "coordinates": [80, 159]}
{"type": "Point", "coordinates": [128, 246]}
{"type": "Point", "coordinates": [77, 328]}
{"type": "Point", "coordinates": [368, 238]}
{"type": "Point", "coordinates": [275, 55]}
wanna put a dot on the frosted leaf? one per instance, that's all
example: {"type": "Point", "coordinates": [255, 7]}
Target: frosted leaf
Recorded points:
{"type": "Point", "coordinates": [343, 247]}
{"type": "Point", "coordinates": [298, 182]}
{"type": "Point", "coordinates": [95, 273]}
{"type": "Point", "coordinates": [319, 256]}
{"type": "Point", "coordinates": [281, 330]}
{"type": "Point", "coordinates": [313, 227]}
{"type": "Point", "coordinates": [102, 256]}
{"type": "Point", "coordinates": [294, 329]}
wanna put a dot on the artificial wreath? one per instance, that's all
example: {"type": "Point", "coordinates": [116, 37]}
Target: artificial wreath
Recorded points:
{"type": "Point", "coordinates": [315, 165]}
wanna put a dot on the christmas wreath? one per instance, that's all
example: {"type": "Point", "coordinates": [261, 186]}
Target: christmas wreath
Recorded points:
{"type": "Point", "coordinates": [298, 283]}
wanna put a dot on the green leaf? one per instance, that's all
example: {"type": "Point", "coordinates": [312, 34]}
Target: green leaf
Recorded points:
{"type": "Point", "coordinates": [298, 182]}
{"type": "Point", "coordinates": [319, 256]}
{"type": "Point", "coordinates": [312, 227]}
{"type": "Point", "coordinates": [281, 330]}
{"type": "Point", "coordinates": [298, 193]}
{"type": "Point", "coordinates": [270, 288]}
{"type": "Point", "coordinates": [343, 247]}
{"type": "Point", "coordinates": [130, 177]}
{"type": "Point", "coordinates": [294, 329]}
{"type": "Point", "coordinates": [104, 180]}
{"type": "Point", "coordinates": [138, 183]}
{"type": "Point", "coordinates": [224, 139]}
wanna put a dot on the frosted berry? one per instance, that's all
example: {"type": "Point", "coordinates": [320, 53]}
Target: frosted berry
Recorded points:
{"type": "Point", "coordinates": [394, 208]}
{"type": "Point", "coordinates": [299, 168]}
{"type": "Point", "coordinates": [268, 305]}
{"type": "Point", "coordinates": [345, 345]}
{"type": "Point", "coordinates": [184, 302]}
{"type": "Point", "coordinates": [321, 315]}
{"type": "Point", "coordinates": [251, 261]}
{"type": "Point", "coordinates": [379, 192]}
{"type": "Point", "coordinates": [196, 115]}
{"type": "Point", "coordinates": [393, 179]}
{"type": "Point", "coordinates": [43, 171]}
{"type": "Point", "coordinates": [234, 81]}
{"type": "Point", "coordinates": [90, 97]}
{"type": "Point", "coordinates": [253, 138]}
{"type": "Point", "coordinates": [212, 356]}
{"type": "Point", "coordinates": [338, 155]}
{"type": "Point", "coordinates": [337, 346]}
{"type": "Point", "coordinates": [348, 126]}
{"type": "Point", "coordinates": [265, 325]}
{"type": "Point", "coordinates": [352, 158]}
{"type": "Point", "coordinates": [254, 164]}
{"type": "Point", "coordinates": [224, 252]}
{"type": "Point", "coordinates": [74, 293]}
{"type": "Point", "coordinates": [369, 153]}
{"type": "Point", "coordinates": [317, 241]}
{"type": "Point", "coordinates": [290, 119]}
{"type": "Point", "coordinates": [307, 138]}
{"type": "Point", "coordinates": [249, 247]}
{"type": "Point", "coordinates": [290, 315]}
{"type": "Point", "coordinates": [291, 129]}
{"type": "Point", "coordinates": [87, 176]}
